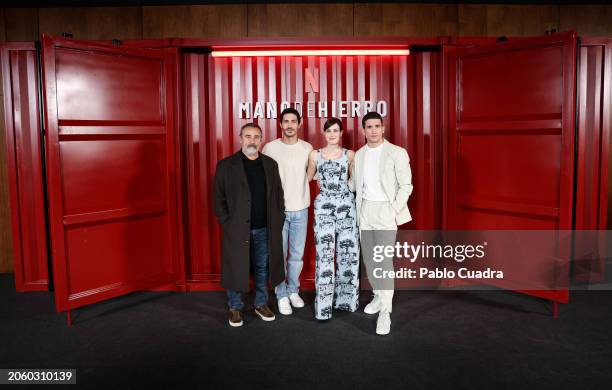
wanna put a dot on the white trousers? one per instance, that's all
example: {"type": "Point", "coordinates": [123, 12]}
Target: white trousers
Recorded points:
{"type": "Point", "coordinates": [377, 227]}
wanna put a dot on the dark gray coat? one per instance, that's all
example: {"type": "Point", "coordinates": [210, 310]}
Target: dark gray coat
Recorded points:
{"type": "Point", "coordinates": [232, 205]}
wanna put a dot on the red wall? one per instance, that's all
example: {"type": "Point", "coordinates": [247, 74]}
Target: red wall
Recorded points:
{"type": "Point", "coordinates": [214, 88]}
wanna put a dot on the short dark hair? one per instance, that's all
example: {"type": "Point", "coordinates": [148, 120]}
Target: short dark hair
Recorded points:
{"type": "Point", "coordinates": [332, 121]}
{"type": "Point", "coordinates": [371, 115]}
{"type": "Point", "coordinates": [250, 124]}
{"type": "Point", "coordinates": [290, 110]}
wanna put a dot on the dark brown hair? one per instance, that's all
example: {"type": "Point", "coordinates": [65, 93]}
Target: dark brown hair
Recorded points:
{"type": "Point", "coordinates": [371, 115]}
{"type": "Point", "coordinates": [332, 121]}
{"type": "Point", "coordinates": [291, 111]}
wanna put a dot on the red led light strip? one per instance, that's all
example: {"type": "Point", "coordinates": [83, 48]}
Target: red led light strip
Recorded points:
{"type": "Point", "coordinates": [274, 53]}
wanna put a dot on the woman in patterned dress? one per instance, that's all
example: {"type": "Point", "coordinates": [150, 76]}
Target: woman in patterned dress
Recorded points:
{"type": "Point", "coordinates": [335, 226]}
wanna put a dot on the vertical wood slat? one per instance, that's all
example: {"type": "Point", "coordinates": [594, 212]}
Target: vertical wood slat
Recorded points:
{"type": "Point", "coordinates": [21, 24]}
{"type": "Point", "coordinates": [194, 21]}
{"type": "Point", "coordinates": [412, 20]}
{"type": "Point", "coordinates": [2, 28]}
{"type": "Point", "coordinates": [97, 23]}
{"type": "Point", "coordinates": [587, 20]}
{"type": "Point", "coordinates": [282, 20]}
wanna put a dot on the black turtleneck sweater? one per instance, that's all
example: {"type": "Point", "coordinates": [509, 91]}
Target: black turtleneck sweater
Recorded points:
{"type": "Point", "coordinates": [256, 176]}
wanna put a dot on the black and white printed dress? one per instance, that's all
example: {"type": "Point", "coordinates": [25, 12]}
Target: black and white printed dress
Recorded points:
{"type": "Point", "coordinates": [336, 236]}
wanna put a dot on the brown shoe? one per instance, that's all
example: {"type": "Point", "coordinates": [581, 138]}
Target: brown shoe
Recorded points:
{"type": "Point", "coordinates": [235, 318]}
{"type": "Point", "coordinates": [265, 313]}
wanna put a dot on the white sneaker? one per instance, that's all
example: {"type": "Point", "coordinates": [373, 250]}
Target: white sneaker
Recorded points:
{"type": "Point", "coordinates": [373, 307]}
{"type": "Point", "coordinates": [284, 307]}
{"type": "Point", "coordinates": [383, 324]}
{"type": "Point", "coordinates": [296, 301]}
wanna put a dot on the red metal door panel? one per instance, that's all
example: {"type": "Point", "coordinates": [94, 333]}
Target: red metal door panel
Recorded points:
{"type": "Point", "coordinates": [131, 76]}
{"type": "Point", "coordinates": [511, 137]}
{"type": "Point", "coordinates": [426, 138]}
{"type": "Point", "coordinates": [215, 87]}
{"type": "Point", "coordinates": [534, 68]}
{"type": "Point", "coordinates": [111, 169]}
{"type": "Point", "coordinates": [122, 160]}
{"type": "Point", "coordinates": [124, 261]}
{"type": "Point", "coordinates": [24, 153]}
{"type": "Point", "coordinates": [593, 138]}
{"type": "Point", "coordinates": [594, 120]}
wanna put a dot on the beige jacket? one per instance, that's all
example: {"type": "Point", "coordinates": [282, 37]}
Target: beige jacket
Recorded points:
{"type": "Point", "coordinates": [395, 177]}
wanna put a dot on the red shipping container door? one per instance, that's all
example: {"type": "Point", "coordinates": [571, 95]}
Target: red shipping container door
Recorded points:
{"type": "Point", "coordinates": [221, 94]}
{"type": "Point", "coordinates": [511, 137]}
{"type": "Point", "coordinates": [110, 168]}
{"type": "Point", "coordinates": [25, 165]}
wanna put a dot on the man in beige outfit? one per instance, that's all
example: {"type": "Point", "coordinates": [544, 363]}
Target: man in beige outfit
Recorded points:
{"type": "Point", "coordinates": [291, 155]}
{"type": "Point", "coordinates": [382, 181]}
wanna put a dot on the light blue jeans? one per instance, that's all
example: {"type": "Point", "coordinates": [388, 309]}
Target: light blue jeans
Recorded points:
{"type": "Point", "coordinates": [294, 239]}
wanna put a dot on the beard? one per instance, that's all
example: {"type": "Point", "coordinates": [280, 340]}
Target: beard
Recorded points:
{"type": "Point", "coordinates": [250, 150]}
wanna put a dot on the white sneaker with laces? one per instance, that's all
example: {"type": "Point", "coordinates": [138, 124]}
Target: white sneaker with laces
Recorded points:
{"type": "Point", "coordinates": [373, 307]}
{"type": "Point", "coordinates": [296, 301]}
{"type": "Point", "coordinates": [383, 324]}
{"type": "Point", "coordinates": [284, 307]}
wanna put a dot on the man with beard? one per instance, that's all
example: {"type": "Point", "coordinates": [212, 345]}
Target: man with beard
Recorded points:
{"type": "Point", "coordinates": [249, 203]}
{"type": "Point", "coordinates": [291, 154]}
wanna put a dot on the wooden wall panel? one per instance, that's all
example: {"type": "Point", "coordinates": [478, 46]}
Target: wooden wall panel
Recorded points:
{"type": "Point", "coordinates": [587, 20]}
{"type": "Point", "coordinates": [283, 20]}
{"type": "Point", "coordinates": [472, 20]}
{"type": "Point", "coordinates": [509, 20]}
{"type": "Point", "coordinates": [93, 22]}
{"type": "Point", "coordinates": [196, 21]}
{"type": "Point", "coordinates": [21, 24]}
{"type": "Point", "coordinates": [412, 20]}
{"type": "Point", "coordinates": [6, 243]}
{"type": "Point", "coordinates": [2, 27]}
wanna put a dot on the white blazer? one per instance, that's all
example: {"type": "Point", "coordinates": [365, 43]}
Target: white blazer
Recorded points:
{"type": "Point", "coordinates": [395, 177]}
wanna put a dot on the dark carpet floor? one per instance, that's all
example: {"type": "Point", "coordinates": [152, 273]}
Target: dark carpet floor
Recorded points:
{"type": "Point", "coordinates": [452, 340]}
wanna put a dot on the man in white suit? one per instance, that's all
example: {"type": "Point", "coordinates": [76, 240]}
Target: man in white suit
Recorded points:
{"type": "Point", "coordinates": [382, 181]}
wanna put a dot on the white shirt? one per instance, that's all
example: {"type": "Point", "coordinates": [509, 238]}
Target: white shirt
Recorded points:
{"type": "Point", "coordinates": [292, 162]}
{"type": "Point", "coordinates": [372, 188]}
